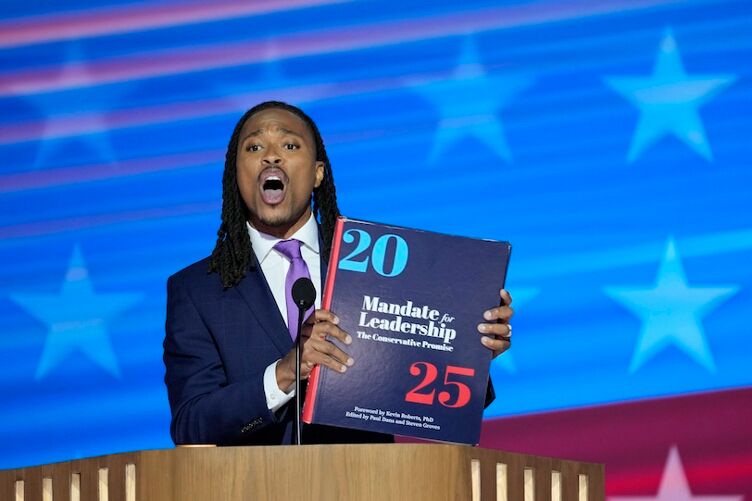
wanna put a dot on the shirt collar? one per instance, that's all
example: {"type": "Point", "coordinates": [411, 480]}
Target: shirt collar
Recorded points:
{"type": "Point", "coordinates": [263, 243]}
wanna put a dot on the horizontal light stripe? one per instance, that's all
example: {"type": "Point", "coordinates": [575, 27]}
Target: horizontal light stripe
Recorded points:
{"type": "Point", "coordinates": [118, 20]}
{"type": "Point", "coordinates": [60, 177]}
{"type": "Point", "coordinates": [83, 123]}
{"type": "Point", "coordinates": [649, 252]}
{"type": "Point", "coordinates": [333, 40]}
{"type": "Point", "coordinates": [92, 221]}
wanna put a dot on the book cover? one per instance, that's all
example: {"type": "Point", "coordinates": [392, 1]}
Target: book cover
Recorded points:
{"type": "Point", "coordinates": [411, 300]}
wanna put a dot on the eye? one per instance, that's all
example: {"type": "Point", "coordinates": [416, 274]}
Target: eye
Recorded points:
{"type": "Point", "coordinates": [253, 147]}
{"type": "Point", "coordinates": [291, 146]}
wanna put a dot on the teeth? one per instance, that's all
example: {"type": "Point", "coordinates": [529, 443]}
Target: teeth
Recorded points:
{"type": "Point", "coordinates": [274, 178]}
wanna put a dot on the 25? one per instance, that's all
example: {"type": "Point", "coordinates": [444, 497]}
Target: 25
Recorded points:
{"type": "Point", "coordinates": [456, 394]}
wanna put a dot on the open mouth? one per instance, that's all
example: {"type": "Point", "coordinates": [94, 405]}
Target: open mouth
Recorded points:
{"type": "Point", "coordinates": [273, 182]}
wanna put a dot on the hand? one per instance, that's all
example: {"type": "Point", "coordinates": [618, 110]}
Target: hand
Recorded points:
{"type": "Point", "coordinates": [497, 333]}
{"type": "Point", "coordinates": [315, 349]}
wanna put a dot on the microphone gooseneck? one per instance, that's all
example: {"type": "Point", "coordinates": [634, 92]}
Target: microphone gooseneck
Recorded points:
{"type": "Point", "coordinates": [304, 295]}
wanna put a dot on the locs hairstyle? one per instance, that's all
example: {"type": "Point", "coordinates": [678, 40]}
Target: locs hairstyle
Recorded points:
{"type": "Point", "coordinates": [232, 255]}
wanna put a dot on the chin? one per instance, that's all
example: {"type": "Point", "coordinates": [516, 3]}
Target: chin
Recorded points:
{"type": "Point", "coordinates": [276, 221]}
{"type": "Point", "coordinates": [282, 218]}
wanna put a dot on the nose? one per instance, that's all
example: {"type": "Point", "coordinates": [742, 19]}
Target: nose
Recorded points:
{"type": "Point", "coordinates": [272, 157]}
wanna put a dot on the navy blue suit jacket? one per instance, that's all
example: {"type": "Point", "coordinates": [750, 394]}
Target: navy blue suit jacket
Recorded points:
{"type": "Point", "coordinates": [217, 345]}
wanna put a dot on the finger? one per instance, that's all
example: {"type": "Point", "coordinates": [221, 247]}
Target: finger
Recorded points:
{"type": "Point", "coordinates": [331, 350]}
{"type": "Point", "coordinates": [324, 329]}
{"type": "Point", "coordinates": [503, 313]}
{"type": "Point", "coordinates": [498, 346]}
{"type": "Point", "coordinates": [325, 353]}
{"type": "Point", "coordinates": [334, 365]}
{"type": "Point", "coordinates": [506, 297]}
{"type": "Point", "coordinates": [502, 330]}
{"type": "Point", "coordinates": [306, 368]}
{"type": "Point", "coordinates": [322, 315]}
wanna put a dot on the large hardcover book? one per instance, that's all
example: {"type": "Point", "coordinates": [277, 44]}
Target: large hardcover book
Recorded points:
{"type": "Point", "coordinates": [411, 300]}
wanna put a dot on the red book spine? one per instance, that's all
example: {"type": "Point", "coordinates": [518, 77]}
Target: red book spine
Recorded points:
{"type": "Point", "coordinates": [313, 379]}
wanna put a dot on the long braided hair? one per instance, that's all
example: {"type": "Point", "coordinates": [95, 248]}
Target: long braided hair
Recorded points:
{"type": "Point", "coordinates": [232, 255]}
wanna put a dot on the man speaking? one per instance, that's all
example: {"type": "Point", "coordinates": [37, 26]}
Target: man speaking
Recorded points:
{"type": "Point", "coordinates": [229, 344]}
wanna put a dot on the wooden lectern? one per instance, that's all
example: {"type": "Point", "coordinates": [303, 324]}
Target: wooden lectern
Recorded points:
{"type": "Point", "coordinates": [414, 472]}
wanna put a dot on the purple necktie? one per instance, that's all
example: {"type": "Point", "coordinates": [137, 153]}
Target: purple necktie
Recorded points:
{"type": "Point", "coordinates": [298, 268]}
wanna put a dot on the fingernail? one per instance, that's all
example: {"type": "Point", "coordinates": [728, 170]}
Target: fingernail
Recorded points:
{"type": "Point", "coordinates": [343, 368]}
{"type": "Point", "coordinates": [348, 340]}
{"type": "Point", "coordinates": [482, 327]}
{"type": "Point", "coordinates": [350, 362]}
{"type": "Point", "coordinates": [335, 320]}
{"type": "Point", "coordinates": [488, 315]}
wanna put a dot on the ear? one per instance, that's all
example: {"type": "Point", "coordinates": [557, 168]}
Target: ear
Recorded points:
{"type": "Point", "coordinates": [319, 174]}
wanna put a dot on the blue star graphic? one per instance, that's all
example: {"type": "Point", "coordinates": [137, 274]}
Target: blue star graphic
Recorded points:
{"type": "Point", "coordinates": [469, 102]}
{"type": "Point", "coordinates": [272, 84]}
{"type": "Point", "coordinates": [56, 128]}
{"type": "Point", "coordinates": [674, 485]}
{"type": "Point", "coordinates": [76, 318]}
{"type": "Point", "coordinates": [671, 312]}
{"type": "Point", "coordinates": [669, 101]}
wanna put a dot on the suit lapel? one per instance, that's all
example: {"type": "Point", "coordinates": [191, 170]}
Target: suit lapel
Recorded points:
{"type": "Point", "coordinates": [324, 268]}
{"type": "Point", "coordinates": [323, 263]}
{"type": "Point", "coordinates": [258, 297]}
{"type": "Point", "coordinates": [256, 293]}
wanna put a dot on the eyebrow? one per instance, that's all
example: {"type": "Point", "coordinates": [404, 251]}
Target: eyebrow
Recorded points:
{"type": "Point", "coordinates": [258, 132]}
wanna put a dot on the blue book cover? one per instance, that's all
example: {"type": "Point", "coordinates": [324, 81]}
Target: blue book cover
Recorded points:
{"type": "Point", "coordinates": [411, 300]}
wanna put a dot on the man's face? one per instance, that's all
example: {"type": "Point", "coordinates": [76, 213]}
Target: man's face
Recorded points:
{"type": "Point", "coordinates": [277, 171]}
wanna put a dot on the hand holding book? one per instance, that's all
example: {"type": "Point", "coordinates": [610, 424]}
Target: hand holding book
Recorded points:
{"type": "Point", "coordinates": [322, 323]}
{"type": "Point", "coordinates": [497, 336]}
{"type": "Point", "coordinates": [316, 349]}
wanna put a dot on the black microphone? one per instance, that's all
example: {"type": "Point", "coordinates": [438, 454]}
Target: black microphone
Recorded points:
{"type": "Point", "coordinates": [303, 294]}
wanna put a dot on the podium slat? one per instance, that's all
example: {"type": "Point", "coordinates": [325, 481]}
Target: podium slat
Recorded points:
{"type": "Point", "coordinates": [432, 472]}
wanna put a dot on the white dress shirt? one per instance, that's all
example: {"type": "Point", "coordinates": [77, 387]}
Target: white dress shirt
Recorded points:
{"type": "Point", "coordinates": [274, 266]}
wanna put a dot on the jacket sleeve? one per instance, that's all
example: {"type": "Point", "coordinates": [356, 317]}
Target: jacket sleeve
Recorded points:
{"type": "Point", "coordinates": [206, 408]}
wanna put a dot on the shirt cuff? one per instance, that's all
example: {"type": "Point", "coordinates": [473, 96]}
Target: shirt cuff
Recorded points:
{"type": "Point", "coordinates": [275, 398]}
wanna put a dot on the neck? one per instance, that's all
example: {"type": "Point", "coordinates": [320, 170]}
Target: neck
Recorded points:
{"type": "Point", "coordinates": [283, 231]}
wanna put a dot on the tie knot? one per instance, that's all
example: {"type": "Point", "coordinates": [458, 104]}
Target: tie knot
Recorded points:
{"type": "Point", "coordinates": [289, 248]}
